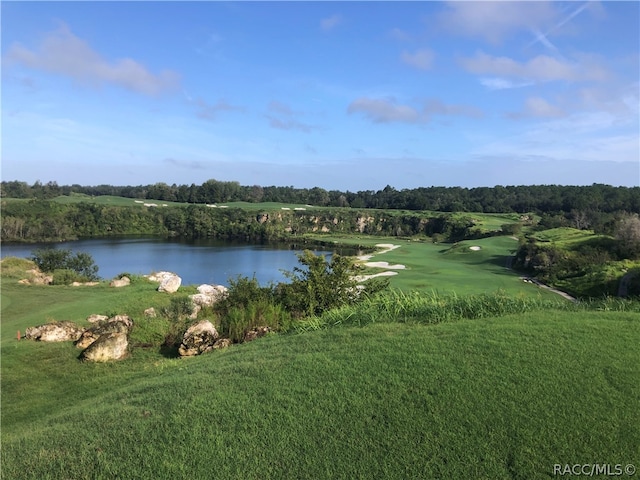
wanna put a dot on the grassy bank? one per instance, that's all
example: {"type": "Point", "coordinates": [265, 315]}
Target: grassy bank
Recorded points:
{"type": "Point", "coordinates": [492, 398]}
{"type": "Point", "coordinates": [412, 386]}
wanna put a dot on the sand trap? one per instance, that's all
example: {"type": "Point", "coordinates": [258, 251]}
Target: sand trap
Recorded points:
{"type": "Point", "coordinates": [385, 265]}
{"type": "Point", "coordinates": [386, 246]}
{"type": "Point", "coordinates": [362, 278]}
{"type": "Point", "coordinates": [475, 247]}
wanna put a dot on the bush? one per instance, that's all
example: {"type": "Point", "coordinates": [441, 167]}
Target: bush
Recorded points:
{"type": "Point", "coordinates": [320, 286]}
{"type": "Point", "coordinates": [52, 259]}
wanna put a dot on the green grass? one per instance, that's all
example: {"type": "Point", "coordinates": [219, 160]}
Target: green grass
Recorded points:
{"type": "Point", "coordinates": [564, 235]}
{"type": "Point", "coordinates": [492, 398]}
{"type": "Point", "coordinates": [461, 389]}
{"type": "Point", "coordinates": [449, 268]}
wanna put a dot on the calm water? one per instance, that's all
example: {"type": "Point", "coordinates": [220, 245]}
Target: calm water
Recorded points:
{"type": "Point", "coordinates": [195, 262]}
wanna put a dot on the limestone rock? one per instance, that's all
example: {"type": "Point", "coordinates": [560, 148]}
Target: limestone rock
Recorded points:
{"type": "Point", "coordinates": [111, 346]}
{"type": "Point", "coordinates": [117, 324]}
{"type": "Point", "coordinates": [159, 276]}
{"type": "Point", "coordinates": [37, 278]}
{"type": "Point", "coordinates": [222, 343]}
{"type": "Point", "coordinates": [55, 332]}
{"type": "Point", "coordinates": [199, 338]}
{"type": "Point", "coordinates": [170, 284]}
{"type": "Point", "coordinates": [94, 318]}
{"type": "Point", "coordinates": [150, 312]}
{"type": "Point", "coordinates": [256, 333]}
{"type": "Point", "coordinates": [120, 282]}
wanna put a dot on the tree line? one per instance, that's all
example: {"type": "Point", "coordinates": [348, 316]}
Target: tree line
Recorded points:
{"type": "Point", "coordinates": [540, 199]}
{"type": "Point", "coordinates": [45, 220]}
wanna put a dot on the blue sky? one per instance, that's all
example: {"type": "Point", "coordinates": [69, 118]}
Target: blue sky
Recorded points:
{"type": "Point", "coordinates": [340, 95]}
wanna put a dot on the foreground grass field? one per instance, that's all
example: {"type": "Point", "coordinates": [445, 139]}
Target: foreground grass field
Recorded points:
{"type": "Point", "coordinates": [504, 397]}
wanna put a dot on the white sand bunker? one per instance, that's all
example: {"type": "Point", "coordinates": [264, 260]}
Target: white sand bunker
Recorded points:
{"type": "Point", "coordinates": [385, 265]}
{"type": "Point", "coordinates": [475, 247]}
{"type": "Point", "coordinates": [362, 278]}
{"type": "Point", "coordinates": [386, 246]}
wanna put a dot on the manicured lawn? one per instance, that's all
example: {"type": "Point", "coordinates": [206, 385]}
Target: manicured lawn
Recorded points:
{"type": "Point", "coordinates": [448, 267]}
{"type": "Point", "coordinates": [497, 398]}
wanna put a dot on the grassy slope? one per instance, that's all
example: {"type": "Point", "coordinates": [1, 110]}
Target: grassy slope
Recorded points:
{"type": "Point", "coordinates": [497, 398]}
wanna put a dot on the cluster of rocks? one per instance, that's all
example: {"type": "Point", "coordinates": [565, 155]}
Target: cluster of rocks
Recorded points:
{"type": "Point", "coordinates": [202, 337]}
{"type": "Point", "coordinates": [36, 277]}
{"type": "Point", "coordinates": [207, 295]}
{"type": "Point", "coordinates": [107, 339]}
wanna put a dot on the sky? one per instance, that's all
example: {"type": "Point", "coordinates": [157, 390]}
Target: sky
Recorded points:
{"type": "Point", "coordinates": [339, 95]}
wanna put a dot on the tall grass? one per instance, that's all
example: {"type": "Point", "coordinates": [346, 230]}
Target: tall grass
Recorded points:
{"type": "Point", "coordinates": [396, 306]}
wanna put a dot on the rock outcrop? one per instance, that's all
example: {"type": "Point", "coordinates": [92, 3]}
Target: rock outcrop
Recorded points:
{"type": "Point", "coordinates": [169, 282]}
{"type": "Point", "coordinates": [95, 318]}
{"type": "Point", "coordinates": [36, 277]}
{"type": "Point", "coordinates": [150, 312]}
{"type": "Point", "coordinates": [199, 338]}
{"type": "Point", "coordinates": [120, 282]}
{"type": "Point", "coordinates": [55, 332]}
{"type": "Point", "coordinates": [117, 324]}
{"type": "Point", "coordinates": [111, 346]}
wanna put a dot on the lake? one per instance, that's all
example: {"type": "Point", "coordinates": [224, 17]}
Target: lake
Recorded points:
{"type": "Point", "coordinates": [196, 262]}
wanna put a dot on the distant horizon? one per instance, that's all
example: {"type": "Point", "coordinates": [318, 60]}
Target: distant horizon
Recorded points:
{"type": "Point", "coordinates": [344, 95]}
{"type": "Point", "coordinates": [143, 184]}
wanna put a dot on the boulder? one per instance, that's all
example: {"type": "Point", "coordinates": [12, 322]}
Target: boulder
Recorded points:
{"type": "Point", "coordinates": [222, 343]}
{"type": "Point", "coordinates": [150, 312]}
{"type": "Point", "coordinates": [213, 290]}
{"type": "Point", "coordinates": [120, 282]}
{"type": "Point", "coordinates": [94, 318]}
{"type": "Point", "coordinates": [199, 338]}
{"type": "Point", "coordinates": [111, 346]}
{"type": "Point", "coordinates": [170, 284]}
{"type": "Point", "coordinates": [159, 276]}
{"type": "Point", "coordinates": [55, 332]}
{"type": "Point", "coordinates": [117, 324]}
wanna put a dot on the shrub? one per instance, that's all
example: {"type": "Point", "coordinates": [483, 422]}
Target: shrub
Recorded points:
{"type": "Point", "coordinates": [52, 259]}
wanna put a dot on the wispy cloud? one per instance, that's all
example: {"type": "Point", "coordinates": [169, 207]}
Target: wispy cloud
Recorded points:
{"type": "Point", "coordinates": [399, 34]}
{"type": "Point", "coordinates": [331, 22]}
{"type": "Point", "coordinates": [495, 20]}
{"type": "Point", "coordinates": [537, 107]}
{"type": "Point", "coordinates": [63, 53]}
{"type": "Point", "coordinates": [208, 111]}
{"type": "Point", "coordinates": [498, 83]}
{"type": "Point", "coordinates": [421, 59]}
{"type": "Point", "coordinates": [540, 68]}
{"type": "Point", "coordinates": [387, 110]}
{"type": "Point", "coordinates": [282, 117]}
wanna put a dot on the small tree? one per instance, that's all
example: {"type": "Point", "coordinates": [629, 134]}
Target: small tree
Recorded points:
{"type": "Point", "coordinates": [320, 286]}
{"type": "Point", "coordinates": [628, 235]}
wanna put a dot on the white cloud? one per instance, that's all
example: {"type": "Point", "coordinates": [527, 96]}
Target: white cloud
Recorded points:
{"type": "Point", "coordinates": [540, 68]}
{"type": "Point", "coordinates": [62, 53]}
{"type": "Point", "coordinates": [384, 111]}
{"type": "Point", "coordinates": [388, 111]}
{"type": "Point", "coordinates": [331, 22]}
{"type": "Point", "coordinates": [496, 20]}
{"type": "Point", "coordinates": [421, 59]}
{"type": "Point", "coordinates": [498, 83]}
{"type": "Point", "coordinates": [538, 107]}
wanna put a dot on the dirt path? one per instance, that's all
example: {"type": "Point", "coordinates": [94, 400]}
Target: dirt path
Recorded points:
{"type": "Point", "coordinates": [509, 264]}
